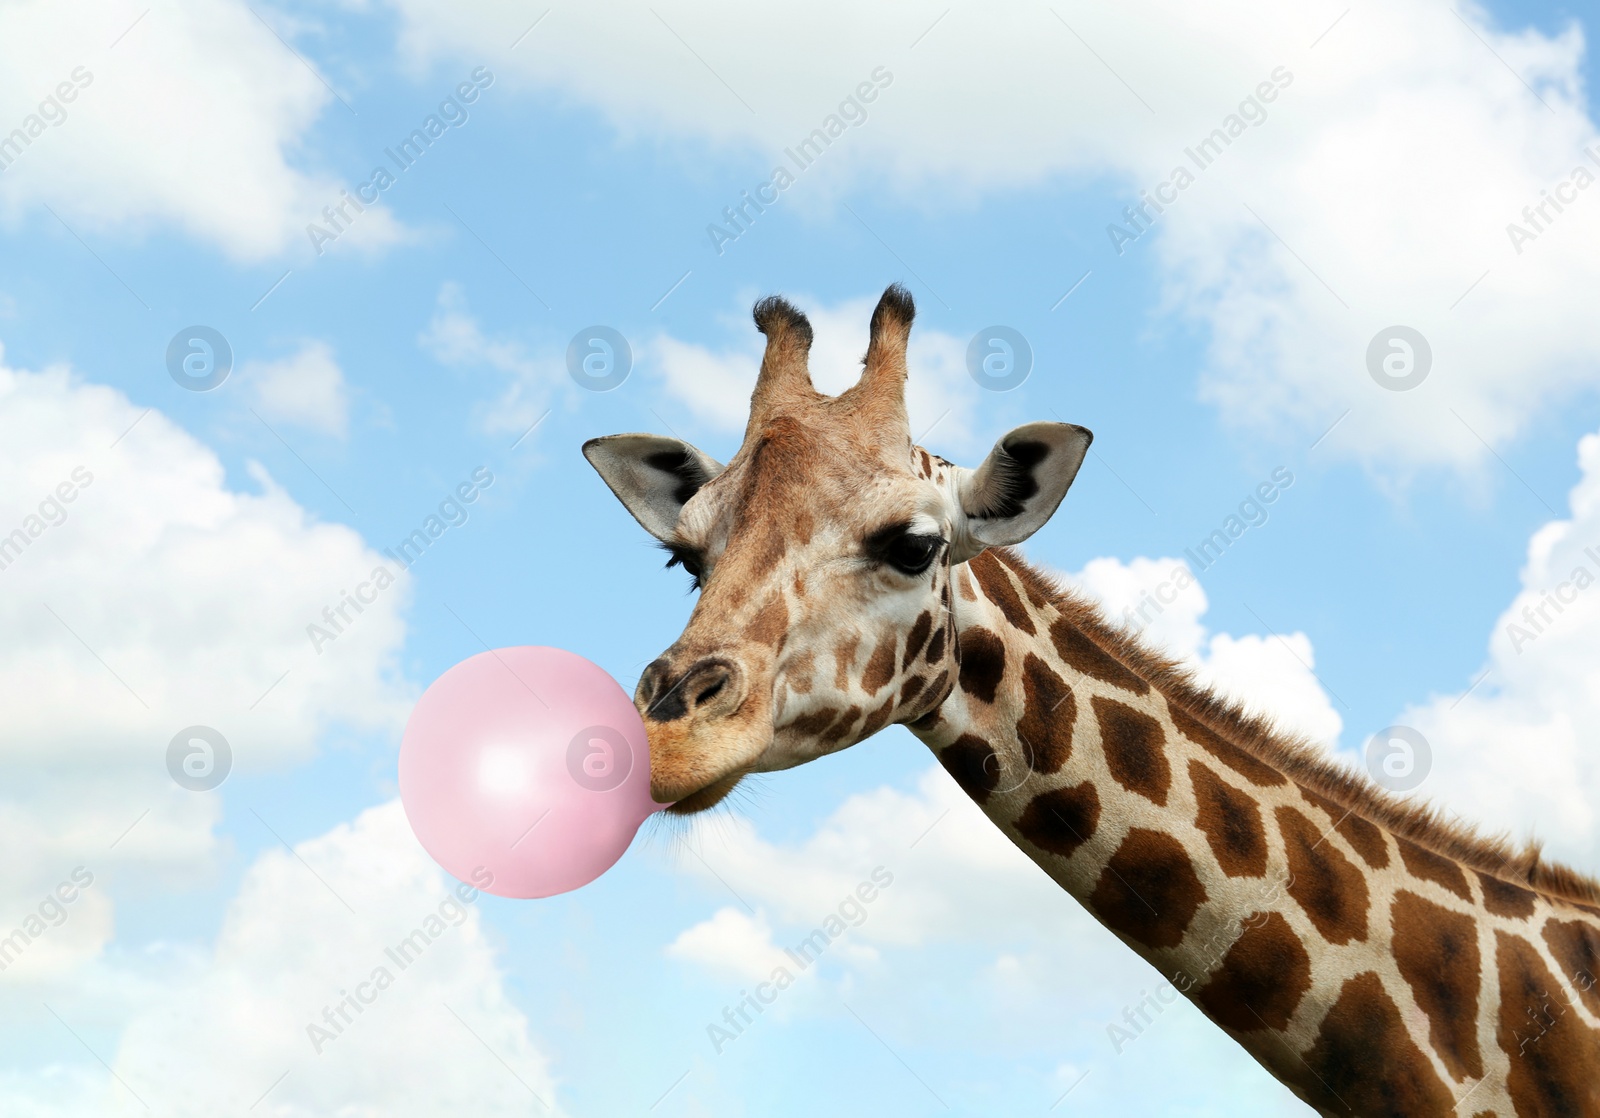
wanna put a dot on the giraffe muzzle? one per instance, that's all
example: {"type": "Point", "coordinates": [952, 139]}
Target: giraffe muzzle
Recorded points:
{"type": "Point", "coordinates": [703, 732]}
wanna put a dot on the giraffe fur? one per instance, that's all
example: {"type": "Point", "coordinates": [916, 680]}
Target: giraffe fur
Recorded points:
{"type": "Point", "coordinates": [1374, 959]}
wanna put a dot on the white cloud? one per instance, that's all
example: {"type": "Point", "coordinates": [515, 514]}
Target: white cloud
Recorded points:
{"type": "Point", "coordinates": [141, 595]}
{"type": "Point", "coordinates": [144, 595]}
{"type": "Point", "coordinates": [969, 934]}
{"type": "Point", "coordinates": [1521, 750]}
{"type": "Point", "coordinates": [307, 389]}
{"type": "Point", "coordinates": [228, 1030]}
{"type": "Point", "coordinates": [1270, 675]}
{"type": "Point", "coordinates": [731, 942]}
{"type": "Point", "coordinates": [190, 120]}
{"type": "Point", "coordinates": [954, 875]}
{"type": "Point", "coordinates": [715, 385]}
{"type": "Point", "coordinates": [1378, 187]}
{"type": "Point", "coordinates": [531, 384]}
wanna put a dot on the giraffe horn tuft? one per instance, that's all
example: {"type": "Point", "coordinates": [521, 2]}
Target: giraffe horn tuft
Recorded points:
{"type": "Point", "coordinates": [777, 317]}
{"type": "Point", "coordinates": [882, 387]}
{"type": "Point", "coordinates": [784, 374]}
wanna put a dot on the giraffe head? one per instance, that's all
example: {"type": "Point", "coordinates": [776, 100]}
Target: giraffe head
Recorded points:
{"type": "Point", "coordinates": [823, 553]}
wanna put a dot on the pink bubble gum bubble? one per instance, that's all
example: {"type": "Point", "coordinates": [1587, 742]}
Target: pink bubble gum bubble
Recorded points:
{"type": "Point", "coordinates": [529, 763]}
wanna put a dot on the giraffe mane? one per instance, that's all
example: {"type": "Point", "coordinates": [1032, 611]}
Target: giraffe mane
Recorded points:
{"type": "Point", "coordinates": [1296, 757]}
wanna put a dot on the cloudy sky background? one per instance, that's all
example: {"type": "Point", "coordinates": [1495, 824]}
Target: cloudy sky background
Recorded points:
{"type": "Point", "coordinates": [371, 378]}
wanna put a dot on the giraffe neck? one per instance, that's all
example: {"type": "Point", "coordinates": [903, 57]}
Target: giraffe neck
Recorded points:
{"type": "Point", "coordinates": [1367, 972]}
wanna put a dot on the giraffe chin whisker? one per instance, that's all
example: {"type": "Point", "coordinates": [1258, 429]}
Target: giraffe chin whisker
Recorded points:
{"type": "Point", "coordinates": [708, 797]}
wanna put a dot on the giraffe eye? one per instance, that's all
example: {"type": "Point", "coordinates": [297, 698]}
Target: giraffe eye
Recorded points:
{"type": "Point", "coordinates": [689, 561]}
{"type": "Point", "coordinates": [912, 554]}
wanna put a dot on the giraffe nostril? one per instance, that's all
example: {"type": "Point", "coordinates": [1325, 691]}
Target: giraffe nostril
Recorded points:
{"type": "Point", "coordinates": [710, 687]}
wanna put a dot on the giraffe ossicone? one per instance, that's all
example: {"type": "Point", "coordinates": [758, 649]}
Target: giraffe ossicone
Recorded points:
{"type": "Point", "coordinates": [1372, 958]}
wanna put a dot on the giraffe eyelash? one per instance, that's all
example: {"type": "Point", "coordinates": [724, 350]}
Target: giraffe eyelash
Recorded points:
{"type": "Point", "coordinates": [688, 560]}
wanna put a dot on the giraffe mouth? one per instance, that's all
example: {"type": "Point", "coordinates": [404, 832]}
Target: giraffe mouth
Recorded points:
{"type": "Point", "coordinates": [708, 797]}
{"type": "Point", "coordinates": [703, 735]}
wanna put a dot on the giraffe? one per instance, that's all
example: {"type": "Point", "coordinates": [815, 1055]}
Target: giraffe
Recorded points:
{"type": "Point", "coordinates": [1373, 958]}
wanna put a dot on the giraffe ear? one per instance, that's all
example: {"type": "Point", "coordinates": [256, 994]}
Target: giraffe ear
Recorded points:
{"type": "Point", "coordinates": [1018, 487]}
{"type": "Point", "coordinates": [653, 476]}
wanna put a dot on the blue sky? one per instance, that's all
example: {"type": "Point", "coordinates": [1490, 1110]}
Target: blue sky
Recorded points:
{"type": "Point", "coordinates": [369, 379]}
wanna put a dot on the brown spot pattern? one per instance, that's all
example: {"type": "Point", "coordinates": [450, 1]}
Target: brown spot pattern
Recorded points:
{"type": "Point", "coordinates": [964, 584]}
{"type": "Point", "coordinates": [983, 663]}
{"type": "Point", "coordinates": [1331, 890]}
{"type": "Point", "coordinates": [1038, 591]}
{"type": "Point", "coordinates": [1135, 749]}
{"type": "Point", "coordinates": [815, 722]}
{"type": "Point", "coordinates": [769, 624]}
{"type": "Point", "coordinates": [798, 671]}
{"type": "Point", "coordinates": [912, 689]}
{"type": "Point", "coordinates": [880, 669]}
{"type": "Point", "coordinates": [1436, 951]}
{"type": "Point", "coordinates": [936, 647]}
{"type": "Point", "coordinates": [844, 659]}
{"type": "Point", "coordinates": [1083, 655]}
{"type": "Point", "coordinates": [1262, 977]}
{"type": "Point", "coordinates": [1553, 1054]}
{"type": "Point", "coordinates": [914, 640]}
{"type": "Point", "coordinates": [937, 692]}
{"type": "Point", "coordinates": [1048, 712]}
{"type": "Point", "coordinates": [1364, 1062]}
{"type": "Point", "coordinates": [1062, 819]}
{"type": "Point", "coordinates": [1428, 866]}
{"type": "Point", "coordinates": [1364, 836]}
{"type": "Point", "coordinates": [1252, 769]}
{"type": "Point", "coordinates": [1231, 822]}
{"type": "Point", "coordinates": [841, 729]}
{"type": "Point", "coordinates": [1505, 899]}
{"type": "Point", "coordinates": [769, 551]}
{"type": "Point", "coordinates": [973, 764]}
{"type": "Point", "coordinates": [1148, 891]}
{"type": "Point", "coordinates": [1576, 949]}
{"type": "Point", "coordinates": [878, 719]}
{"type": "Point", "coordinates": [999, 588]}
